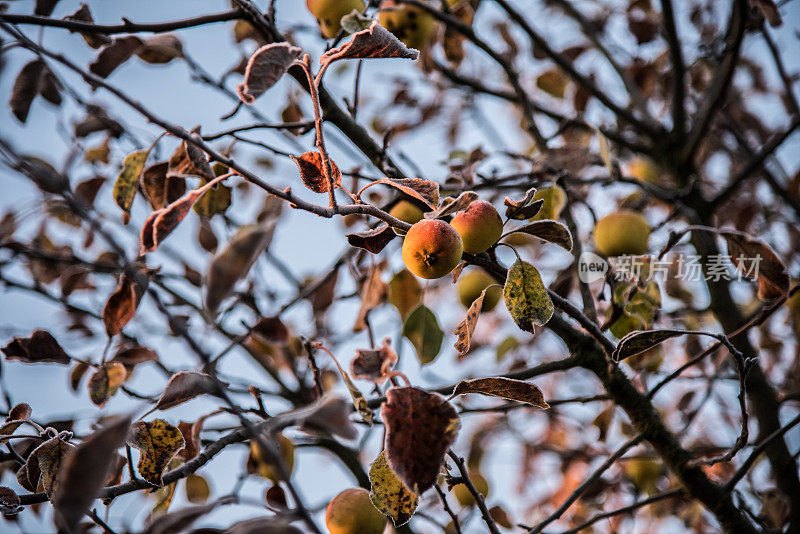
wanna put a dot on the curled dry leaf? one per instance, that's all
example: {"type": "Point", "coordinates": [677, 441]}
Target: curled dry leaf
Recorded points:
{"type": "Point", "coordinates": [188, 160]}
{"type": "Point", "coordinates": [451, 205]}
{"type": "Point", "coordinates": [526, 296]}
{"type": "Point", "coordinates": [191, 437]}
{"type": "Point", "coordinates": [374, 365]}
{"type": "Point", "coordinates": [505, 388]}
{"type": "Point", "coordinates": [105, 382]}
{"type": "Point", "coordinates": [158, 442]}
{"type": "Point", "coordinates": [405, 292]}
{"type": "Point", "coordinates": [234, 262]}
{"type": "Point", "coordinates": [466, 328]}
{"type": "Point", "coordinates": [547, 230]}
{"type": "Point", "coordinates": [265, 67]}
{"type": "Point", "coordinates": [359, 402]}
{"type": "Point", "coordinates": [127, 182]}
{"type": "Point", "coordinates": [184, 386]}
{"type": "Point", "coordinates": [39, 347]}
{"type": "Point", "coordinates": [9, 502]}
{"type": "Point", "coordinates": [638, 342]}
{"type": "Point", "coordinates": [114, 54]}
{"type": "Point", "coordinates": [94, 40]}
{"type": "Point", "coordinates": [420, 428]}
{"type": "Point", "coordinates": [44, 464]}
{"type": "Point", "coordinates": [424, 190]}
{"type": "Point", "coordinates": [121, 305]}
{"type": "Point", "coordinates": [312, 172]}
{"type": "Point", "coordinates": [373, 293]}
{"type": "Point", "coordinates": [85, 470]}
{"type": "Point", "coordinates": [159, 189]}
{"type": "Point", "coordinates": [757, 260]}
{"type": "Point", "coordinates": [16, 416]}
{"type": "Point", "coordinates": [161, 48]}
{"type": "Point", "coordinates": [376, 42]}
{"type": "Point", "coordinates": [373, 240]}
{"type": "Point", "coordinates": [329, 415]}
{"type": "Point", "coordinates": [523, 209]}
{"type": "Point", "coordinates": [423, 330]}
{"type": "Point", "coordinates": [389, 494]}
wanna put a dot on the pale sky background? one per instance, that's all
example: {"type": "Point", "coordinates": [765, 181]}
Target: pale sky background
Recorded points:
{"type": "Point", "coordinates": [305, 242]}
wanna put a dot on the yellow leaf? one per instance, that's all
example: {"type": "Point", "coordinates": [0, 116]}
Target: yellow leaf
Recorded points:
{"type": "Point", "coordinates": [389, 494]}
{"type": "Point", "coordinates": [128, 181]}
{"type": "Point", "coordinates": [158, 442]}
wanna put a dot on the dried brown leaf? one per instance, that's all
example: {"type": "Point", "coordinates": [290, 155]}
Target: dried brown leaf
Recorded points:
{"type": "Point", "coordinates": [114, 54]}
{"type": "Point", "coordinates": [312, 172]}
{"type": "Point", "coordinates": [264, 68]}
{"type": "Point", "coordinates": [376, 42]}
{"type": "Point", "coordinates": [505, 388]}
{"type": "Point", "coordinates": [374, 240]}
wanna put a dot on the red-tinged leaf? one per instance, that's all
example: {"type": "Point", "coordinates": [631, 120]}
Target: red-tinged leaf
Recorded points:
{"type": "Point", "coordinates": [373, 240]}
{"type": "Point", "coordinates": [770, 11]}
{"type": "Point", "coordinates": [641, 341]}
{"type": "Point", "coordinates": [276, 497]}
{"type": "Point", "coordinates": [758, 261]}
{"type": "Point", "coordinates": [158, 442]}
{"type": "Point", "coordinates": [424, 190]}
{"type": "Point", "coordinates": [450, 205]}
{"type": "Point", "coordinates": [184, 386]}
{"type": "Point", "coordinates": [504, 388]}
{"type": "Point", "coordinates": [41, 346]}
{"type": "Point", "coordinates": [376, 42]}
{"type": "Point", "coordinates": [105, 382]}
{"type": "Point", "coordinates": [420, 428]}
{"type": "Point", "coordinates": [547, 230]}
{"type": "Point", "coordinates": [374, 365]}
{"type": "Point", "coordinates": [312, 172]}
{"type": "Point", "coordinates": [16, 416]}
{"type": "Point", "coordinates": [524, 208]}
{"type": "Point", "coordinates": [9, 502]}
{"type": "Point", "coordinates": [160, 223]}
{"type": "Point", "coordinates": [466, 328]}
{"type": "Point", "coordinates": [161, 48]}
{"type": "Point", "coordinates": [265, 67]}
{"type": "Point", "coordinates": [121, 305]}
{"type": "Point", "coordinates": [234, 262]}
{"type": "Point", "coordinates": [188, 161]}
{"type": "Point", "coordinates": [25, 89]}
{"type": "Point", "coordinates": [114, 54]}
{"type": "Point", "coordinates": [373, 293]}
{"type": "Point", "coordinates": [85, 470]}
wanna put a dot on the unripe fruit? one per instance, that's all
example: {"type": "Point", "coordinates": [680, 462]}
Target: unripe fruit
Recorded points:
{"type": "Point", "coordinates": [264, 467]}
{"type": "Point", "coordinates": [620, 233]}
{"type": "Point", "coordinates": [554, 201]}
{"type": "Point", "coordinates": [432, 248]}
{"type": "Point", "coordinates": [479, 225]}
{"type": "Point", "coordinates": [329, 13]}
{"type": "Point", "coordinates": [462, 493]}
{"type": "Point", "coordinates": [644, 169]}
{"type": "Point", "coordinates": [406, 212]}
{"type": "Point", "coordinates": [410, 24]}
{"type": "Point", "coordinates": [470, 286]}
{"type": "Point", "coordinates": [351, 512]}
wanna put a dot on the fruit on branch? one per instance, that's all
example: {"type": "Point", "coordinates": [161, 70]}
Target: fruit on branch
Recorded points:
{"type": "Point", "coordinates": [258, 464]}
{"type": "Point", "coordinates": [479, 225]}
{"type": "Point", "coordinates": [464, 496]}
{"type": "Point", "coordinates": [410, 24]}
{"type": "Point", "coordinates": [406, 211]}
{"type": "Point", "coordinates": [644, 169]}
{"type": "Point", "coordinates": [351, 512]}
{"type": "Point", "coordinates": [554, 200]}
{"type": "Point", "coordinates": [622, 232]}
{"type": "Point", "coordinates": [432, 248]}
{"type": "Point", "coordinates": [329, 14]}
{"type": "Point", "coordinates": [470, 286]}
